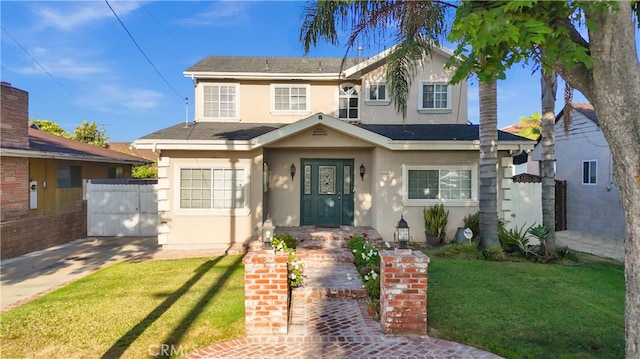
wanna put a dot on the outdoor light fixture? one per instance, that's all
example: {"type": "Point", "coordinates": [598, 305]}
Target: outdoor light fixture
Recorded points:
{"type": "Point", "coordinates": [292, 170]}
{"type": "Point", "coordinates": [267, 233]}
{"type": "Point", "coordinates": [402, 233]}
{"type": "Point", "coordinates": [362, 171]}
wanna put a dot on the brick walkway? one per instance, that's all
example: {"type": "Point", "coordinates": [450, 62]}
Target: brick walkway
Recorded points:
{"type": "Point", "coordinates": [329, 319]}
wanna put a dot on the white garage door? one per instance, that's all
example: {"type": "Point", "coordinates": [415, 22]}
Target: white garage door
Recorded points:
{"type": "Point", "coordinates": [122, 209]}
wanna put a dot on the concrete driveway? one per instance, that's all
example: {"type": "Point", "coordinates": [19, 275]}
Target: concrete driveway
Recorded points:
{"type": "Point", "coordinates": [36, 273]}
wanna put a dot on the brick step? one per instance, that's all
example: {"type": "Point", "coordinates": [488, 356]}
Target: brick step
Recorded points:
{"type": "Point", "coordinates": [315, 256]}
{"type": "Point", "coordinates": [329, 280]}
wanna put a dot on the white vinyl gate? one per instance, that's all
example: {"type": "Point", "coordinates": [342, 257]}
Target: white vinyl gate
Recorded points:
{"type": "Point", "coordinates": [122, 209]}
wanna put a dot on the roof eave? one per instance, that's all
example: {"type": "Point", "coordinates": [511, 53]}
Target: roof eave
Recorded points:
{"type": "Point", "coordinates": [11, 152]}
{"type": "Point", "coordinates": [263, 76]}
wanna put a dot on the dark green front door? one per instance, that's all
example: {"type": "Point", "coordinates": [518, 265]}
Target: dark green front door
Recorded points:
{"type": "Point", "coordinates": [327, 192]}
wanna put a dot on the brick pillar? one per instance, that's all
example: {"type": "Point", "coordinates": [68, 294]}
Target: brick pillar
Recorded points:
{"type": "Point", "coordinates": [403, 292]}
{"type": "Point", "coordinates": [266, 292]}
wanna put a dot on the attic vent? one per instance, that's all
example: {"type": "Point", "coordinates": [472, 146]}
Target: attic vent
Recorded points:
{"type": "Point", "coordinates": [320, 66]}
{"type": "Point", "coordinates": [266, 64]}
{"type": "Point", "coordinates": [319, 132]}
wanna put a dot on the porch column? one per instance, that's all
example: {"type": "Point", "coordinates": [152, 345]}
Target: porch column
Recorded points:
{"type": "Point", "coordinates": [403, 292]}
{"type": "Point", "coordinates": [266, 291]}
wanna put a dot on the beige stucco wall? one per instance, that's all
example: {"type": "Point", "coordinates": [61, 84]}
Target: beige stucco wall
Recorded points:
{"type": "Point", "coordinates": [432, 71]}
{"type": "Point", "coordinates": [183, 229]}
{"type": "Point", "coordinates": [255, 98]}
{"type": "Point", "coordinates": [283, 197]}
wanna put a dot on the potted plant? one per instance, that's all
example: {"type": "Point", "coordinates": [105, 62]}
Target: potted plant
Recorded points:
{"type": "Point", "coordinates": [435, 223]}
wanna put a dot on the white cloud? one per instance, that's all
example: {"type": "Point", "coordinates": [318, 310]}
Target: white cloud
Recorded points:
{"type": "Point", "coordinates": [222, 13]}
{"type": "Point", "coordinates": [75, 16]}
{"type": "Point", "coordinates": [120, 99]}
{"type": "Point", "coordinates": [62, 67]}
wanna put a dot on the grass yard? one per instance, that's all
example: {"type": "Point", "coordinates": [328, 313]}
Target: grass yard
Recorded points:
{"type": "Point", "coordinates": [529, 310]}
{"type": "Point", "coordinates": [130, 310]}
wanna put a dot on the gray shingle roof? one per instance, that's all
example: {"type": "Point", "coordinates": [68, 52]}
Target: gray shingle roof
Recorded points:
{"type": "Point", "coordinates": [273, 65]}
{"type": "Point", "coordinates": [213, 131]}
{"type": "Point", "coordinates": [231, 131]}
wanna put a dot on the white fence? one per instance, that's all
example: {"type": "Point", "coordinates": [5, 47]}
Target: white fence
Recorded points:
{"type": "Point", "coordinates": [122, 209]}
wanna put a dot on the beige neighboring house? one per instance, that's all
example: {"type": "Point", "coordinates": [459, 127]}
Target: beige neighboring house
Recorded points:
{"type": "Point", "coordinates": [313, 142]}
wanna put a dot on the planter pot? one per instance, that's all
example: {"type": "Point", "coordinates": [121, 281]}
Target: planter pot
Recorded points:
{"type": "Point", "coordinates": [433, 239]}
{"type": "Point", "coordinates": [460, 238]}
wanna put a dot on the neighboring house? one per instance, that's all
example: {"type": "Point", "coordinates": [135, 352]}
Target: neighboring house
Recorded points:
{"type": "Point", "coordinates": [522, 163]}
{"type": "Point", "coordinates": [307, 141]}
{"type": "Point", "coordinates": [583, 160]}
{"type": "Point", "coordinates": [42, 178]}
{"type": "Point", "coordinates": [126, 147]}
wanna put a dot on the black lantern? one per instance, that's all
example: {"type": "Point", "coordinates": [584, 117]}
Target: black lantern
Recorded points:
{"type": "Point", "coordinates": [292, 170]}
{"type": "Point", "coordinates": [267, 233]}
{"type": "Point", "coordinates": [402, 233]}
{"type": "Point", "coordinates": [362, 171]}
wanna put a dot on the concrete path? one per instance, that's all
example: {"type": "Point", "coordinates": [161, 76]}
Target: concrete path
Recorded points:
{"type": "Point", "coordinates": [31, 275]}
{"type": "Point", "coordinates": [588, 243]}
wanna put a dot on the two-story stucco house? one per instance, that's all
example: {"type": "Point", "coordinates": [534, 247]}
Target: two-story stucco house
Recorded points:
{"type": "Point", "coordinates": [315, 142]}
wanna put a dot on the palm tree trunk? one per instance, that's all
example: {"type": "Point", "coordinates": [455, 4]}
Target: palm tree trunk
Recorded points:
{"type": "Point", "coordinates": [488, 195]}
{"type": "Point", "coordinates": [548, 87]}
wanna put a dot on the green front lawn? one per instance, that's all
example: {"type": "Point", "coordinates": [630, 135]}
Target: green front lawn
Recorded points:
{"type": "Point", "coordinates": [529, 310]}
{"type": "Point", "coordinates": [131, 310]}
{"type": "Point", "coordinates": [516, 310]}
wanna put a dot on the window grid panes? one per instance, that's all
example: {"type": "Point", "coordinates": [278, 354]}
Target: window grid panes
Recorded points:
{"type": "Point", "coordinates": [348, 102]}
{"type": "Point", "coordinates": [290, 99]}
{"type": "Point", "coordinates": [434, 96]}
{"type": "Point", "coordinates": [589, 172]}
{"type": "Point", "coordinates": [220, 101]}
{"type": "Point", "coordinates": [439, 184]}
{"type": "Point", "coordinates": [212, 188]}
{"type": "Point", "coordinates": [378, 92]}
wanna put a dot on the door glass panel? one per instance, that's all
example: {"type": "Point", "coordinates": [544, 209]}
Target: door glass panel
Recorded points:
{"type": "Point", "coordinates": [347, 179]}
{"type": "Point", "coordinates": [326, 179]}
{"type": "Point", "coordinates": [307, 179]}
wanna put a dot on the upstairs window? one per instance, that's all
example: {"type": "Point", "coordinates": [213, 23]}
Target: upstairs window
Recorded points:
{"type": "Point", "coordinates": [290, 99]}
{"type": "Point", "coordinates": [377, 91]}
{"type": "Point", "coordinates": [220, 101]}
{"type": "Point", "coordinates": [348, 102]}
{"type": "Point", "coordinates": [590, 172]}
{"type": "Point", "coordinates": [434, 96]}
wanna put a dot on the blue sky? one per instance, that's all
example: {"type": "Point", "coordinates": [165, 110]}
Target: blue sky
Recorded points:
{"type": "Point", "coordinates": [94, 72]}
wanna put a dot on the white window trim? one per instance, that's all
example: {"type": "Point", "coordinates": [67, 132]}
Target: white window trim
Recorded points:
{"type": "Point", "coordinates": [582, 172]}
{"type": "Point", "coordinates": [449, 202]}
{"type": "Point", "coordinates": [375, 102]}
{"type": "Point", "coordinates": [434, 110]}
{"type": "Point", "coordinates": [272, 100]}
{"type": "Point", "coordinates": [358, 89]}
{"type": "Point", "coordinates": [222, 212]}
{"type": "Point", "coordinates": [200, 103]}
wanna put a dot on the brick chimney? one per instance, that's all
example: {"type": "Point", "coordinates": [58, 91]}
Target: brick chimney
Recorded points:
{"type": "Point", "coordinates": [14, 117]}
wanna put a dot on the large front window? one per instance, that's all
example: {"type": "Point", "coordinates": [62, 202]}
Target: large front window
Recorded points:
{"type": "Point", "coordinates": [424, 184]}
{"type": "Point", "coordinates": [215, 188]}
{"type": "Point", "coordinates": [434, 96]}
{"type": "Point", "coordinates": [220, 101]}
{"type": "Point", "coordinates": [290, 99]}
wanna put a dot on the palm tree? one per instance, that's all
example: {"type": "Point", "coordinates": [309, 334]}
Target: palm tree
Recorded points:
{"type": "Point", "coordinates": [548, 87]}
{"type": "Point", "coordinates": [420, 25]}
{"type": "Point", "coordinates": [488, 164]}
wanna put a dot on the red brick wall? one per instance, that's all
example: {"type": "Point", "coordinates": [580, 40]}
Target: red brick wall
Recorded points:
{"type": "Point", "coordinates": [14, 117]}
{"type": "Point", "coordinates": [14, 188]}
{"type": "Point", "coordinates": [32, 234]}
{"type": "Point", "coordinates": [266, 288]}
{"type": "Point", "coordinates": [403, 292]}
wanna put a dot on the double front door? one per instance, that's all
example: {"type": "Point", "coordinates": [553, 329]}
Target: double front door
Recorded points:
{"type": "Point", "coordinates": [327, 192]}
